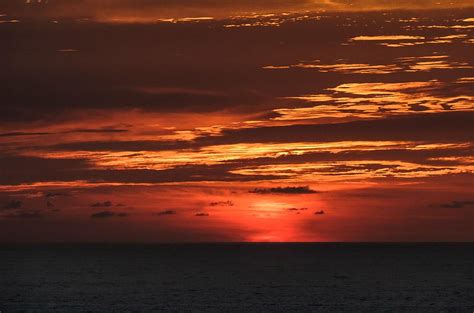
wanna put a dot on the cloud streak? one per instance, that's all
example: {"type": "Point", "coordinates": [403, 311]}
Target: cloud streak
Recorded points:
{"type": "Point", "coordinates": [285, 190]}
{"type": "Point", "coordinates": [108, 214]}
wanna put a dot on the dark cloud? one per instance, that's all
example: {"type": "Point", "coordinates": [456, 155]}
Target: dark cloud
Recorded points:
{"type": "Point", "coordinates": [458, 204]}
{"type": "Point", "coordinates": [449, 127]}
{"type": "Point", "coordinates": [19, 134]}
{"type": "Point", "coordinates": [18, 170]}
{"type": "Point", "coordinates": [419, 108]}
{"type": "Point", "coordinates": [108, 214]}
{"type": "Point", "coordinates": [222, 203]}
{"type": "Point", "coordinates": [100, 130]}
{"type": "Point", "coordinates": [319, 212]}
{"type": "Point", "coordinates": [136, 145]}
{"type": "Point", "coordinates": [165, 212]}
{"type": "Point", "coordinates": [13, 205]}
{"type": "Point", "coordinates": [202, 214]}
{"type": "Point", "coordinates": [105, 204]}
{"type": "Point", "coordinates": [297, 209]}
{"type": "Point", "coordinates": [285, 190]}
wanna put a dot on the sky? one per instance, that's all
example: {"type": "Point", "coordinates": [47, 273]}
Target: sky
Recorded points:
{"type": "Point", "coordinates": [270, 121]}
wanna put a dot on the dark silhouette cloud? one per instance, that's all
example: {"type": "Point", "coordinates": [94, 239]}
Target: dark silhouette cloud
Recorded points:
{"type": "Point", "coordinates": [19, 134]}
{"type": "Point", "coordinates": [202, 214]}
{"type": "Point", "coordinates": [99, 130]}
{"type": "Point", "coordinates": [458, 204]}
{"type": "Point", "coordinates": [105, 204]}
{"type": "Point", "coordinates": [284, 190]}
{"type": "Point", "coordinates": [297, 209]}
{"type": "Point", "coordinates": [165, 212]}
{"type": "Point", "coordinates": [24, 169]}
{"type": "Point", "coordinates": [319, 212]}
{"type": "Point", "coordinates": [135, 145]}
{"type": "Point", "coordinates": [108, 214]}
{"type": "Point", "coordinates": [222, 203]}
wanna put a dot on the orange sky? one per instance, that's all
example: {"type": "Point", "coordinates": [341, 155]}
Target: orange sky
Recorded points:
{"type": "Point", "coordinates": [290, 126]}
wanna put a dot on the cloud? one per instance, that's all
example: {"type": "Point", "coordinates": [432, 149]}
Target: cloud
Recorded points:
{"type": "Point", "coordinates": [19, 169]}
{"type": "Point", "coordinates": [135, 145]}
{"type": "Point", "coordinates": [360, 159]}
{"type": "Point", "coordinates": [284, 190]}
{"type": "Point", "coordinates": [108, 214]}
{"type": "Point", "coordinates": [319, 212]}
{"type": "Point", "coordinates": [85, 130]}
{"type": "Point", "coordinates": [297, 209]}
{"type": "Point", "coordinates": [450, 127]}
{"type": "Point", "coordinates": [222, 203]}
{"type": "Point", "coordinates": [202, 214]}
{"type": "Point", "coordinates": [165, 212]}
{"type": "Point", "coordinates": [99, 130]}
{"type": "Point", "coordinates": [105, 204]}
{"type": "Point", "coordinates": [19, 134]}
{"type": "Point", "coordinates": [402, 64]}
{"type": "Point", "coordinates": [458, 204]}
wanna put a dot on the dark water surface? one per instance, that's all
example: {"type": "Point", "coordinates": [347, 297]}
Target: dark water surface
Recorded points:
{"type": "Point", "coordinates": [237, 278]}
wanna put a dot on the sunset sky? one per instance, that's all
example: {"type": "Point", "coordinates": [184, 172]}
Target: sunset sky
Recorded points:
{"type": "Point", "coordinates": [272, 120]}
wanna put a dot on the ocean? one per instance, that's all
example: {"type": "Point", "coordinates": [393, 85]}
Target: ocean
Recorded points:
{"type": "Point", "coordinates": [237, 277]}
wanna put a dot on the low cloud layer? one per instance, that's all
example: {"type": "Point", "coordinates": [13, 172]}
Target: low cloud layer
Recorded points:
{"type": "Point", "coordinates": [284, 190]}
